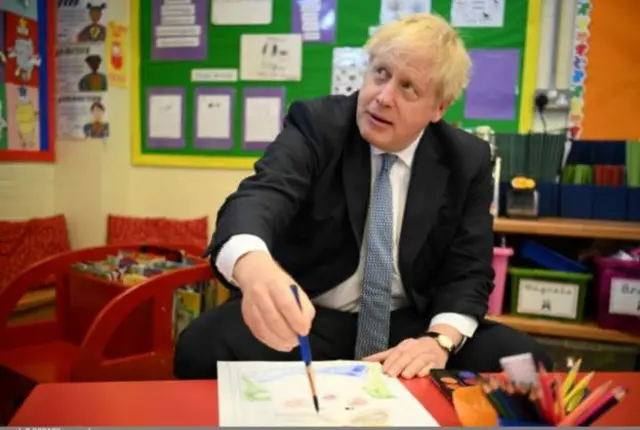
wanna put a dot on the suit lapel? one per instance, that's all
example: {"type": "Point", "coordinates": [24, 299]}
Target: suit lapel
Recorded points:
{"type": "Point", "coordinates": [424, 199]}
{"type": "Point", "coordinates": [356, 176]}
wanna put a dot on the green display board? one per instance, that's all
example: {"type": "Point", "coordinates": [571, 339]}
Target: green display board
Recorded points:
{"type": "Point", "coordinates": [354, 18]}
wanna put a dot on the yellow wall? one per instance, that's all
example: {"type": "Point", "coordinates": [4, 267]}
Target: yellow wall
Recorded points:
{"type": "Point", "coordinates": [93, 179]}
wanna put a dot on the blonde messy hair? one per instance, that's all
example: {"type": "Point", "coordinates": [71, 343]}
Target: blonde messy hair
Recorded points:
{"type": "Point", "coordinates": [426, 32]}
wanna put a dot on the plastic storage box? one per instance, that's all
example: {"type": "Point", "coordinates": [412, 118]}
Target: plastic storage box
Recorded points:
{"type": "Point", "coordinates": [618, 294]}
{"type": "Point", "coordinates": [548, 294]}
{"type": "Point", "coordinates": [500, 264]}
{"type": "Point", "coordinates": [550, 259]}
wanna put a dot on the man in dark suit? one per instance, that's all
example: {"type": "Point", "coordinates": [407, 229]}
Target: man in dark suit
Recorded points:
{"type": "Point", "coordinates": [378, 211]}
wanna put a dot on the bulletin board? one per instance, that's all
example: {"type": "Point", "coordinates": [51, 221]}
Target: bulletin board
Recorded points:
{"type": "Point", "coordinates": [27, 104]}
{"type": "Point", "coordinates": [604, 104]}
{"type": "Point", "coordinates": [513, 46]}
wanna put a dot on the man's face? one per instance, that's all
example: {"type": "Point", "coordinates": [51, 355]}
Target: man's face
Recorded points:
{"type": "Point", "coordinates": [396, 101]}
{"type": "Point", "coordinates": [98, 114]}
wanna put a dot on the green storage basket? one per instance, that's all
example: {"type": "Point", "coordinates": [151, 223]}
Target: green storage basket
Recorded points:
{"type": "Point", "coordinates": [538, 282]}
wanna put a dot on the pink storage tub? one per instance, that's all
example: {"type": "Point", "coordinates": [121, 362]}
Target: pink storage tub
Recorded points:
{"type": "Point", "coordinates": [626, 275]}
{"type": "Point", "coordinates": [500, 264]}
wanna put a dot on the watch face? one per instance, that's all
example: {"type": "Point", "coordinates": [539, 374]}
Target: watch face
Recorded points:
{"type": "Point", "coordinates": [445, 342]}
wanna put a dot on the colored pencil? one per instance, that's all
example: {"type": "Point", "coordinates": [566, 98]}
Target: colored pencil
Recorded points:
{"type": "Point", "coordinates": [547, 396]}
{"type": "Point", "coordinates": [560, 405]}
{"type": "Point", "coordinates": [579, 387]}
{"type": "Point", "coordinates": [594, 397]}
{"type": "Point", "coordinates": [305, 351]}
{"type": "Point", "coordinates": [602, 407]}
{"type": "Point", "coordinates": [571, 377]}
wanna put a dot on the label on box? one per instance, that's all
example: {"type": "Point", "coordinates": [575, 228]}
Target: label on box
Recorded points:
{"type": "Point", "coordinates": [554, 299]}
{"type": "Point", "coordinates": [624, 298]}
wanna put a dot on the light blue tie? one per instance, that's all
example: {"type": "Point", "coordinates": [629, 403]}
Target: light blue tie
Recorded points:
{"type": "Point", "coordinates": [375, 302]}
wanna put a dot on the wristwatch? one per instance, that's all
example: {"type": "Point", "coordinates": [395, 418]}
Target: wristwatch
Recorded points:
{"type": "Point", "coordinates": [443, 341]}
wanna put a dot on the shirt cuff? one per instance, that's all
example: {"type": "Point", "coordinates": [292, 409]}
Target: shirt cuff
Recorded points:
{"type": "Point", "coordinates": [463, 323]}
{"type": "Point", "coordinates": [233, 249]}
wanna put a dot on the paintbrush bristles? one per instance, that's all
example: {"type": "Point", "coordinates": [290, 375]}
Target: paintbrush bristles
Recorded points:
{"type": "Point", "coordinates": [312, 384]}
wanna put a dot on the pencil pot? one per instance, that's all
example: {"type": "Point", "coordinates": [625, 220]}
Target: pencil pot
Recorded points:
{"type": "Point", "coordinates": [500, 264]}
{"type": "Point", "coordinates": [576, 201]}
{"type": "Point", "coordinates": [618, 294]}
{"type": "Point", "coordinates": [548, 199]}
{"type": "Point", "coordinates": [633, 204]}
{"type": "Point", "coordinates": [610, 203]}
{"type": "Point", "coordinates": [548, 294]}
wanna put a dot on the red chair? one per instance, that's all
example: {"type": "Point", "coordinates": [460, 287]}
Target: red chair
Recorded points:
{"type": "Point", "coordinates": [44, 351]}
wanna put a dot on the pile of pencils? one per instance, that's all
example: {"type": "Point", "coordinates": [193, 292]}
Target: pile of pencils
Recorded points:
{"type": "Point", "coordinates": [551, 400]}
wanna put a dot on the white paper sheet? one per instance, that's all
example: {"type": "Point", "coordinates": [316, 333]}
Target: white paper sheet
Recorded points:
{"type": "Point", "coordinates": [348, 69]}
{"type": "Point", "coordinates": [350, 393]}
{"type": "Point", "coordinates": [214, 116]}
{"type": "Point", "coordinates": [271, 57]}
{"type": "Point", "coordinates": [241, 12]}
{"type": "Point", "coordinates": [165, 117]}
{"type": "Point", "coordinates": [391, 10]}
{"type": "Point", "coordinates": [262, 118]}
{"type": "Point", "coordinates": [477, 13]}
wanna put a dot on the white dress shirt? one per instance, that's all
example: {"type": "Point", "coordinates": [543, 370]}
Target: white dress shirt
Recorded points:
{"type": "Point", "coordinates": [346, 296]}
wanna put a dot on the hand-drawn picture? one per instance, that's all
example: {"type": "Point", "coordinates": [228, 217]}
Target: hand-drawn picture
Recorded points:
{"type": "Point", "coordinates": [94, 32]}
{"type": "Point", "coordinates": [349, 394]}
{"type": "Point", "coordinates": [23, 117]}
{"type": "Point", "coordinates": [22, 56]}
{"type": "Point", "coordinates": [95, 80]}
{"type": "Point", "coordinates": [97, 128]}
{"type": "Point", "coordinates": [348, 70]}
{"type": "Point", "coordinates": [275, 57]}
{"type": "Point", "coordinates": [392, 10]}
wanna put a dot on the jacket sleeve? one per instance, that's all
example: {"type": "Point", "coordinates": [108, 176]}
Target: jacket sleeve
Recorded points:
{"type": "Point", "coordinates": [465, 280]}
{"type": "Point", "coordinates": [266, 202]}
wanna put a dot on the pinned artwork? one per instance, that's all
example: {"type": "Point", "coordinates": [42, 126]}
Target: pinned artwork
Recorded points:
{"type": "Point", "coordinates": [349, 67]}
{"type": "Point", "coordinates": [391, 10]}
{"type": "Point", "coordinates": [350, 393]}
{"type": "Point", "coordinates": [271, 57]}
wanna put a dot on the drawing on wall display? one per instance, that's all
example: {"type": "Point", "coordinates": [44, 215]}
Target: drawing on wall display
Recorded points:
{"type": "Point", "coordinates": [350, 393]}
{"type": "Point", "coordinates": [22, 96]}
{"type": "Point", "coordinates": [94, 32]}
{"type": "Point", "coordinates": [391, 10]}
{"type": "Point", "coordinates": [477, 13]}
{"type": "Point", "coordinates": [27, 37]}
{"type": "Point", "coordinates": [95, 80]}
{"type": "Point", "coordinates": [271, 57]}
{"type": "Point", "coordinates": [82, 21]}
{"type": "Point", "coordinates": [349, 67]}
{"type": "Point", "coordinates": [97, 128]}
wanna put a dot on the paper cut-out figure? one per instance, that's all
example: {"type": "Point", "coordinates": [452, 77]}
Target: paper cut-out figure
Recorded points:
{"type": "Point", "coordinates": [26, 119]}
{"type": "Point", "coordinates": [94, 32]}
{"type": "Point", "coordinates": [93, 81]}
{"type": "Point", "coordinates": [97, 128]}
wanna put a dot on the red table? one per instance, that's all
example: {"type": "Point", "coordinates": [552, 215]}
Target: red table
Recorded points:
{"type": "Point", "coordinates": [195, 403]}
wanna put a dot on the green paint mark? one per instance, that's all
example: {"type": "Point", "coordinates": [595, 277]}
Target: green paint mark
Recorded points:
{"type": "Point", "coordinates": [375, 385]}
{"type": "Point", "coordinates": [253, 392]}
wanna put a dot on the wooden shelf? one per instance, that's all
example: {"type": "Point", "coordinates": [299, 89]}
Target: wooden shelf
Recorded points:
{"type": "Point", "coordinates": [586, 331]}
{"type": "Point", "coordinates": [596, 229]}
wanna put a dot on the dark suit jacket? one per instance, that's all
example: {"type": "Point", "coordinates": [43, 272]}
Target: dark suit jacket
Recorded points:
{"type": "Point", "coordinates": [308, 201]}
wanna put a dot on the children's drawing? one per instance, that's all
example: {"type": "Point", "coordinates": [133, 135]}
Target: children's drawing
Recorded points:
{"type": "Point", "coordinates": [27, 120]}
{"type": "Point", "coordinates": [24, 52]}
{"type": "Point", "coordinates": [350, 394]}
{"type": "Point", "coordinates": [94, 32]}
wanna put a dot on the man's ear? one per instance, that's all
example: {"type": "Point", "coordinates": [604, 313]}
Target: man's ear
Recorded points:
{"type": "Point", "coordinates": [442, 109]}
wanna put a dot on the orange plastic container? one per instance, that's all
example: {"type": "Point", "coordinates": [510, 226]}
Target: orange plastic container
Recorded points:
{"type": "Point", "coordinates": [500, 264]}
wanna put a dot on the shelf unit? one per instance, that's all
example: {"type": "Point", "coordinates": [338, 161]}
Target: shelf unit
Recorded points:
{"type": "Point", "coordinates": [585, 331]}
{"type": "Point", "coordinates": [594, 229]}
{"type": "Point", "coordinates": [578, 228]}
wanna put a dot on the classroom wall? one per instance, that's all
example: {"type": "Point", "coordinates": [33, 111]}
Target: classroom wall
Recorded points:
{"type": "Point", "coordinates": [92, 179]}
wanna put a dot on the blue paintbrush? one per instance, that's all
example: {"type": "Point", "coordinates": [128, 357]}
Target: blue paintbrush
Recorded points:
{"type": "Point", "coordinates": [305, 351]}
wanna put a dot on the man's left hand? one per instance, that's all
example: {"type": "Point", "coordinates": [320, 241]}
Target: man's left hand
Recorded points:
{"type": "Point", "coordinates": [411, 357]}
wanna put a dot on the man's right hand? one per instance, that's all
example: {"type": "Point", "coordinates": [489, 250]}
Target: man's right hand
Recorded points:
{"type": "Point", "coordinates": [269, 307]}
